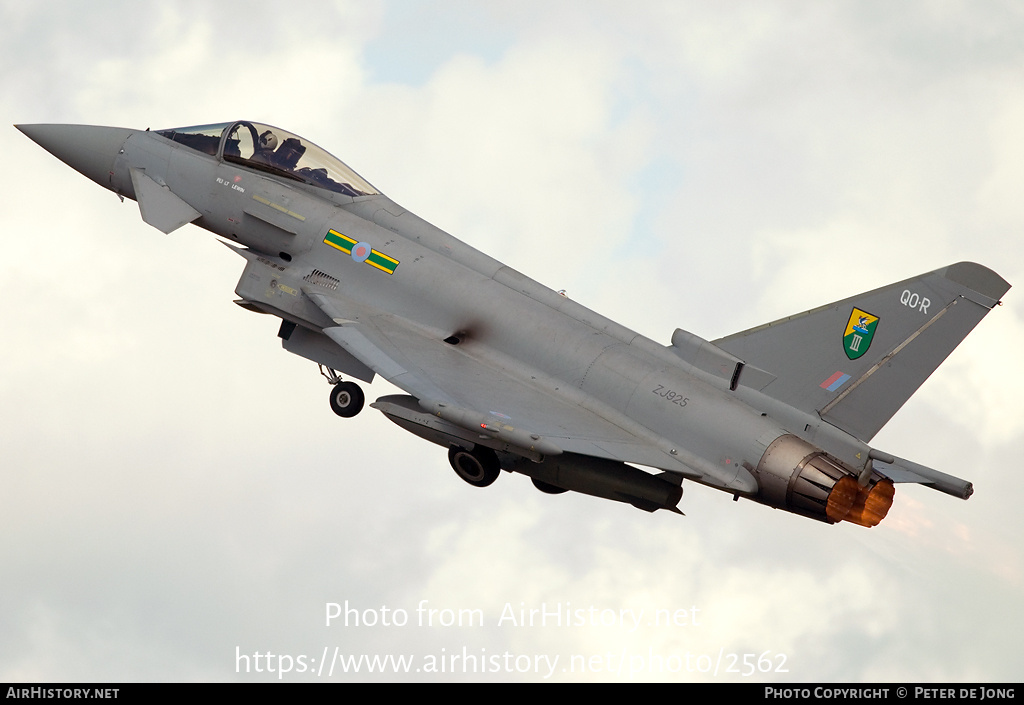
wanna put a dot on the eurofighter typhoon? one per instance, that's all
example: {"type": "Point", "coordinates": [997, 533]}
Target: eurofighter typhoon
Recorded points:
{"type": "Point", "coordinates": [507, 374]}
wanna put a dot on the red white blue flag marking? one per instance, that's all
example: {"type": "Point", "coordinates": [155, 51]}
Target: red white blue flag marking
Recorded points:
{"type": "Point", "coordinates": [835, 381]}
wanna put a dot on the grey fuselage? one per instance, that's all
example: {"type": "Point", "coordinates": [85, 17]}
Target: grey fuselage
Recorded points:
{"type": "Point", "coordinates": [700, 418]}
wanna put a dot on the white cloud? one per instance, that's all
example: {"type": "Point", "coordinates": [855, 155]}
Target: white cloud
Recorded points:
{"type": "Point", "coordinates": [179, 489]}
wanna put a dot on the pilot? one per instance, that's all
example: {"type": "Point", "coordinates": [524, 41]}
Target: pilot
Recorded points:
{"type": "Point", "coordinates": [265, 148]}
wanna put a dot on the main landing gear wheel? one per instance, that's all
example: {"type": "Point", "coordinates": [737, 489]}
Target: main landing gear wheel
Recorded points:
{"type": "Point", "coordinates": [546, 487]}
{"type": "Point", "coordinates": [479, 467]}
{"type": "Point", "coordinates": [346, 399]}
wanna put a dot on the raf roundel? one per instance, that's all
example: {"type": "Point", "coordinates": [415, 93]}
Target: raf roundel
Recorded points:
{"type": "Point", "coordinates": [361, 251]}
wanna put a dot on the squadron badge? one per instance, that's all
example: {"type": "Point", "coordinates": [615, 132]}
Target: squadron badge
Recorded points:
{"type": "Point", "coordinates": [860, 329]}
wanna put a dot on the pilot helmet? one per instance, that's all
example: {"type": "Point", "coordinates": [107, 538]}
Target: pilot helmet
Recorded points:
{"type": "Point", "coordinates": [268, 140]}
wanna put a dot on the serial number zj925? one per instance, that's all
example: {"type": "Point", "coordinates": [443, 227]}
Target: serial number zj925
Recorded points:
{"type": "Point", "coordinates": [670, 396]}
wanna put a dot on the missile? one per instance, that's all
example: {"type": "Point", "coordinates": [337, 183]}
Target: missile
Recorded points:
{"type": "Point", "coordinates": [608, 479]}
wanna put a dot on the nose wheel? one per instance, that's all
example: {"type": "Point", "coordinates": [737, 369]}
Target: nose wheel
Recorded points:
{"type": "Point", "coordinates": [346, 397]}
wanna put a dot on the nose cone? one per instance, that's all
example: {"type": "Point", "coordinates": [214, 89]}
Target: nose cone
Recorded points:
{"type": "Point", "coordinates": [88, 149]}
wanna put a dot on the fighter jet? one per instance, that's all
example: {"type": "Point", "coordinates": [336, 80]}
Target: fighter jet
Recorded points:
{"type": "Point", "coordinates": [508, 375]}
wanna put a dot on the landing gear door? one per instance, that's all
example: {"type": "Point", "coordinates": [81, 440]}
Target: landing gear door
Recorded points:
{"type": "Point", "coordinates": [323, 351]}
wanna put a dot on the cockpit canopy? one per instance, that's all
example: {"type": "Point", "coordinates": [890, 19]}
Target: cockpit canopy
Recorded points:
{"type": "Point", "coordinates": [272, 150]}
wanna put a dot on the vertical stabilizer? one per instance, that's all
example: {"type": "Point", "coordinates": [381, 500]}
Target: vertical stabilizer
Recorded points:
{"type": "Point", "coordinates": [857, 361]}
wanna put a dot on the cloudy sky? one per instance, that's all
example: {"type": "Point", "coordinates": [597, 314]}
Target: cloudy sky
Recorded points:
{"type": "Point", "coordinates": [175, 492]}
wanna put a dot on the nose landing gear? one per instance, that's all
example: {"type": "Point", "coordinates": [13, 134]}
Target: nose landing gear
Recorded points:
{"type": "Point", "coordinates": [346, 397]}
